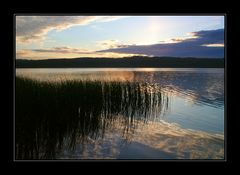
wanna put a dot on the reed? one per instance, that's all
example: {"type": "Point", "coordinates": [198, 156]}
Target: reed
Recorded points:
{"type": "Point", "coordinates": [50, 115]}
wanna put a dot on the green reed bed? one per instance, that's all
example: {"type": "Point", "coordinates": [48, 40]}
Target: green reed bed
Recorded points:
{"type": "Point", "coordinates": [50, 115]}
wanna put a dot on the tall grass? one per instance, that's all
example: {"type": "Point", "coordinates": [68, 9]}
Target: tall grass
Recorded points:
{"type": "Point", "coordinates": [50, 115]}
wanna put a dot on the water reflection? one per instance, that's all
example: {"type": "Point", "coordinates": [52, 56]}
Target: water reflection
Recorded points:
{"type": "Point", "coordinates": [198, 87]}
{"type": "Point", "coordinates": [51, 116]}
{"type": "Point", "coordinates": [152, 141]}
{"type": "Point", "coordinates": [201, 86]}
{"type": "Point", "coordinates": [112, 114]}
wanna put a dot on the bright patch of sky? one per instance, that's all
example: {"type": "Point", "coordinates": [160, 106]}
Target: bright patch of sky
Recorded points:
{"type": "Point", "coordinates": [133, 30]}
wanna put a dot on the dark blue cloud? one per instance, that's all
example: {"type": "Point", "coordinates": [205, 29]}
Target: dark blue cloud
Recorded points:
{"type": "Point", "coordinates": [193, 47]}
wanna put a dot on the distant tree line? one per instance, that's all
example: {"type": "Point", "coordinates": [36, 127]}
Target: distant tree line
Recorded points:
{"type": "Point", "coordinates": [127, 62]}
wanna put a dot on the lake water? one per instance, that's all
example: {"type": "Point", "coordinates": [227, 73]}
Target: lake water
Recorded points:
{"type": "Point", "coordinates": [191, 125]}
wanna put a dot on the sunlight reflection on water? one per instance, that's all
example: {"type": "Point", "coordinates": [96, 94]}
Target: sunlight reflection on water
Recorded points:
{"type": "Point", "coordinates": [192, 126]}
{"type": "Point", "coordinates": [200, 87]}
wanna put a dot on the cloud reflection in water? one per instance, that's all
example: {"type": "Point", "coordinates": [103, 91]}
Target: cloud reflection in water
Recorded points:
{"type": "Point", "coordinates": [110, 128]}
{"type": "Point", "coordinates": [152, 141]}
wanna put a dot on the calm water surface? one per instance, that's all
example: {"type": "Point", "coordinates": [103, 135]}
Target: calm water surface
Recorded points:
{"type": "Point", "coordinates": [191, 125]}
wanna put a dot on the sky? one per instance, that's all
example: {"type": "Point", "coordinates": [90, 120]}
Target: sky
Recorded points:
{"type": "Point", "coordinates": [50, 37]}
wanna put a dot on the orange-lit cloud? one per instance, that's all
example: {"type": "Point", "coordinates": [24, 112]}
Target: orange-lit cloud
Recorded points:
{"type": "Point", "coordinates": [107, 44]}
{"type": "Point", "coordinates": [110, 44]}
{"type": "Point", "coordinates": [65, 52]}
{"type": "Point", "coordinates": [190, 35]}
{"type": "Point", "coordinates": [213, 45]}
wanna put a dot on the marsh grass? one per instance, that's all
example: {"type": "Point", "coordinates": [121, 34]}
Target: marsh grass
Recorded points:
{"type": "Point", "coordinates": [53, 115]}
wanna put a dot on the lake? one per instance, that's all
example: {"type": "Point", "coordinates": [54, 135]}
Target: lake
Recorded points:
{"type": "Point", "coordinates": [186, 121]}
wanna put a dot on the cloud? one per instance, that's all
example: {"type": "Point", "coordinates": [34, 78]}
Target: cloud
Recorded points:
{"type": "Point", "coordinates": [109, 18]}
{"type": "Point", "coordinates": [111, 44]}
{"type": "Point", "coordinates": [32, 28]}
{"type": "Point", "coordinates": [200, 44]}
{"type": "Point", "coordinates": [24, 53]}
{"type": "Point", "coordinates": [55, 52]}
{"type": "Point", "coordinates": [213, 45]}
{"type": "Point", "coordinates": [108, 44]}
{"type": "Point", "coordinates": [64, 50]}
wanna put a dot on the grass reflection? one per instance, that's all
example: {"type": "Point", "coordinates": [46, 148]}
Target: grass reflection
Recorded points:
{"type": "Point", "coordinates": [51, 116]}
